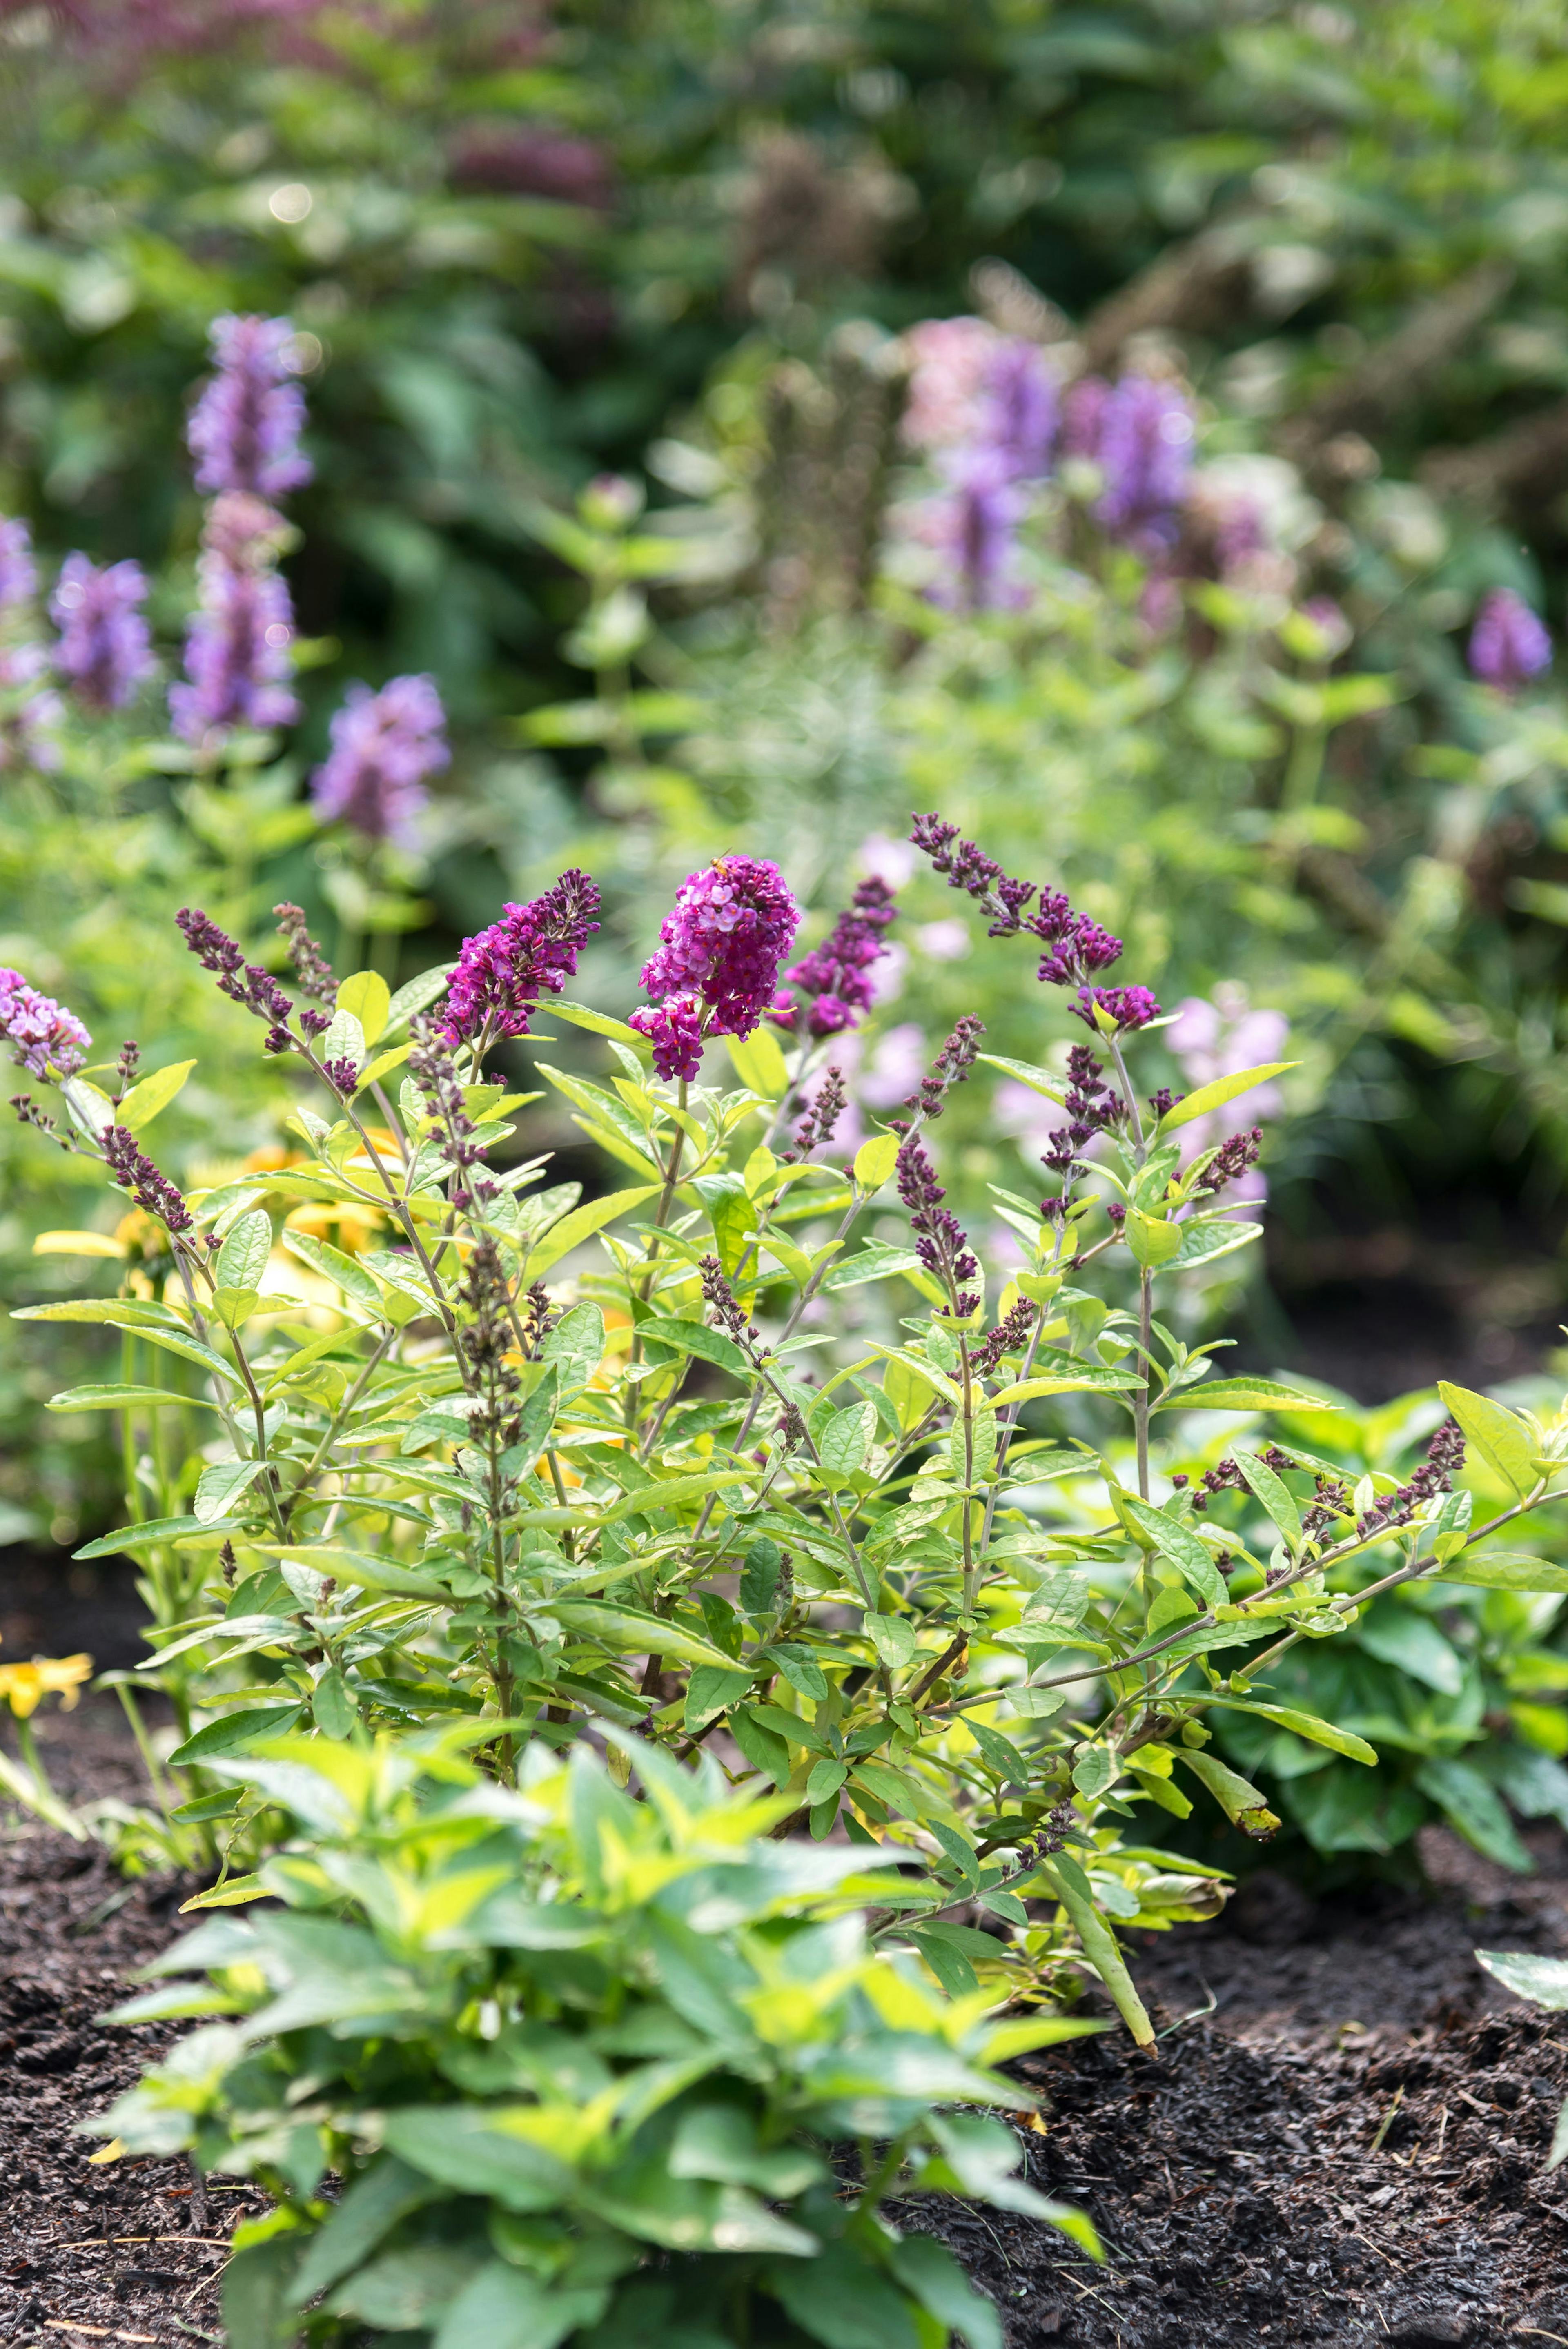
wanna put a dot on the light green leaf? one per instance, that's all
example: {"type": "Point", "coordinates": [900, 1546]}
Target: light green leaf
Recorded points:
{"type": "Point", "coordinates": [1307, 1725]}
{"type": "Point", "coordinates": [366, 995]}
{"type": "Point", "coordinates": [417, 996]}
{"type": "Point", "coordinates": [1088, 1380]}
{"type": "Point", "coordinates": [1237, 1797]}
{"type": "Point", "coordinates": [1488, 1569]}
{"type": "Point", "coordinates": [124, 1398]}
{"type": "Point", "coordinates": [1180, 1545]}
{"type": "Point", "coordinates": [1497, 1433]}
{"type": "Point", "coordinates": [695, 1338]}
{"type": "Point", "coordinates": [581, 1225]}
{"type": "Point", "coordinates": [1243, 1394]}
{"type": "Point", "coordinates": [1153, 1242]}
{"type": "Point", "coordinates": [243, 1259]}
{"type": "Point", "coordinates": [216, 1487]}
{"type": "Point", "coordinates": [1215, 1096]}
{"type": "Point", "coordinates": [759, 1063]}
{"type": "Point", "coordinates": [143, 1101]}
{"type": "Point", "coordinates": [1071, 1887]}
{"type": "Point", "coordinates": [1275, 1495]}
{"type": "Point", "coordinates": [344, 1041]}
{"type": "Point", "coordinates": [874, 1160]}
{"type": "Point", "coordinates": [1543, 1981]}
{"type": "Point", "coordinates": [626, 1630]}
{"type": "Point", "coordinates": [843, 1438]}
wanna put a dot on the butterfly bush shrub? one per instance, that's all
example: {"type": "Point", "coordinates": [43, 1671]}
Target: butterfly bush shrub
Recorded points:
{"type": "Point", "coordinates": [757, 1454]}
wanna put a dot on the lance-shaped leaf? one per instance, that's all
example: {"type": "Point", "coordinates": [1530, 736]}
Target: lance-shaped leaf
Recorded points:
{"type": "Point", "coordinates": [243, 1259]}
{"type": "Point", "coordinates": [696, 1338]}
{"type": "Point", "coordinates": [1237, 1797]}
{"type": "Point", "coordinates": [1067, 1878]}
{"type": "Point", "coordinates": [1485, 1569]}
{"type": "Point", "coordinates": [1307, 1725]}
{"type": "Point", "coordinates": [1088, 1380]}
{"type": "Point", "coordinates": [1181, 1546]}
{"type": "Point", "coordinates": [1499, 1435]}
{"type": "Point", "coordinates": [1216, 1095]}
{"type": "Point", "coordinates": [218, 1487]}
{"type": "Point", "coordinates": [1275, 1496]}
{"type": "Point", "coordinates": [179, 1342]}
{"type": "Point", "coordinates": [366, 995]}
{"type": "Point", "coordinates": [1243, 1394]}
{"type": "Point", "coordinates": [628, 1631]}
{"type": "Point", "coordinates": [141, 1104]}
{"type": "Point", "coordinates": [581, 1225]}
{"type": "Point", "coordinates": [124, 1398]}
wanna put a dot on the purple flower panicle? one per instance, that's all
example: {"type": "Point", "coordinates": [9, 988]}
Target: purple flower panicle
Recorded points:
{"type": "Point", "coordinates": [245, 428]}
{"type": "Point", "coordinates": [835, 974]}
{"type": "Point", "coordinates": [723, 942]}
{"type": "Point", "coordinates": [940, 1241]}
{"type": "Point", "coordinates": [1508, 646]}
{"type": "Point", "coordinates": [1019, 409]}
{"type": "Point", "coordinates": [531, 951]}
{"type": "Point", "coordinates": [237, 652]}
{"type": "Point", "coordinates": [674, 1028]}
{"type": "Point", "coordinates": [1083, 416]}
{"type": "Point", "coordinates": [243, 982]}
{"type": "Point", "coordinates": [1129, 1006]}
{"type": "Point", "coordinates": [18, 572]}
{"type": "Point", "coordinates": [104, 651]}
{"type": "Point", "coordinates": [45, 1039]}
{"type": "Point", "coordinates": [148, 1184]}
{"type": "Point", "coordinates": [383, 747]}
{"type": "Point", "coordinates": [1145, 452]}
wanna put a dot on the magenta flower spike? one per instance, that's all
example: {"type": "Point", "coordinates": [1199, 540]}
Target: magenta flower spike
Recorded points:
{"type": "Point", "coordinates": [835, 975]}
{"type": "Point", "coordinates": [104, 651]}
{"type": "Point", "coordinates": [45, 1039]}
{"type": "Point", "coordinates": [1509, 645]}
{"type": "Point", "coordinates": [243, 432]}
{"type": "Point", "coordinates": [531, 951]}
{"type": "Point", "coordinates": [717, 963]}
{"type": "Point", "coordinates": [383, 747]}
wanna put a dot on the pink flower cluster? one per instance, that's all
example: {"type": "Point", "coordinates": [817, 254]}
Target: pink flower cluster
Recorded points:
{"type": "Point", "coordinates": [716, 968]}
{"type": "Point", "coordinates": [531, 951]}
{"type": "Point", "coordinates": [45, 1039]}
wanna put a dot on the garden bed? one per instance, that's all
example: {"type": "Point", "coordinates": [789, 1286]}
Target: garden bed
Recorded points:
{"type": "Point", "coordinates": [1347, 2148]}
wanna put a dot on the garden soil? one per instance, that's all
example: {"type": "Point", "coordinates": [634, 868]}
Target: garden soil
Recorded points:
{"type": "Point", "coordinates": [1343, 2138]}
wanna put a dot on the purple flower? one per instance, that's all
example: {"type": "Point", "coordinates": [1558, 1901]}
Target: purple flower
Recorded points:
{"type": "Point", "coordinates": [674, 1028]}
{"type": "Point", "coordinates": [1509, 645]}
{"type": "Point", "coordinates": [18, 572]}
{"type": "Point", "coordinates": [1144, 454]}
{"type": "Point", "coordinates": [27, 726]}
{"type": "Point", "coordinates": [148, 1184]}
{"type": "Point", "coordinates": [1083, 416]}
{"type": "Point", "coordinates": [1019, 409]}
{"type": "Point", "coordinates": [531, 951]}
{"type": "Point", "coordinates": [243, 982]}
{"type": "Point", "coordinates": [729, 931]}
{"type": "Point", "coordinates": [835, 972]}
{"type": "Point", "coordinates": [1076, 944]}
{"type": "Point", "coordinates": [45, 1039]}
{"type": "Point", "coordinates": [1129, 1006]}
{"type": "Point", "coordinates": [104, 651]}
{"type": "Point", "coordinates": [245, 428]}
{"type": "Point", "coordinates": [976, 528]}
{"type": "Point", "coordinates": [245, 530]}
{"type": "Point", "coordinates": [940, 1241]}
{"type": "Point", "coordinates": [383, 746]}
{"type": "Point", "coordinates": [236, 652]}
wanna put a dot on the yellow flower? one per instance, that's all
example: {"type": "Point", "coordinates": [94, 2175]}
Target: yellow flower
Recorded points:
{"type": "Point", "coordinates": [24, 1685]}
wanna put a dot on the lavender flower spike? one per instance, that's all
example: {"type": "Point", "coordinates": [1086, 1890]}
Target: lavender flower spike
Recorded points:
{"type": "Point", "coordinates": [1508, 646]}
{"type": "Point", "coordinates": [236, 652]}
{"type": "Point", "coordinates": [731, 928]}
{"type": "Point", "coordinates": [532, 951]}
{"type": "Point", "coordinates": [245, 428]}
{"type": "Point", "coordinates": [383, 746]}
{"type": "Point", "coordinates": [104, 651]}
{"type": "Point", "coordinates": [18, 572]}
{"type": "Point", "coordinates": [45, 1039]}
{"type": "Point", "coordinates": [1145, 436]}
{"type": "Point", "coordinates": [1019, 409]}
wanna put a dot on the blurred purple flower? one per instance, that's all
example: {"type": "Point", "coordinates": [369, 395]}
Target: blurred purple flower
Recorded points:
{"type": "Point", "coordinates": [104, 651]}
{"type": "Point", "coordinates": [236, 652]}
{"type": "Point", "coordinates": [45, 1039]}
{"type": "Point", "coordinates": [1145, 453]}
{"type": "Point", "coordinates": [1509, 645]}
{"type": "Point", "coordinates": [723, 942]}
{"type": "Point", "coordinates": [1330, 621]}
{"type": "Point", "coordinates": [245, 530]}
{"type": "Point", "coordinates": [243, 432]}
{"type": "Point", "coordinates": [1219, 1039]}
{"type": "Point", "coordinates": [1083, 416]}
{"type": "Point", "coordinates": [976, 529]}
{"type": "Point", "coordinates": [1019, 409]}
{"type": "Point", "coordinates": [18, 572]}
{"type": "Point", "coordinates": [383, 746]}
{"type": "Point", "coordinates": [531, 951]}
{"type": "Point", "coordinates": [27, 728]}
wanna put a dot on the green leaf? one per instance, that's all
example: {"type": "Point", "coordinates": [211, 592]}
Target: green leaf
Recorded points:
{"type": "Point", "coordinates": [124, 1398]}
{"type": "Point", "coordinates": [759, 1063]}
{"type": "Point", "coordinates": [626, 1630]}
{"type": "Point", "coordinates": [366, 995]}
{"type": "Point", "coordinates": [142, 1536]}
{"type": "Point", "coordinates": [1472, 1804]}
{"type": "Point", "coordinates": [695, 1338]}
{"type": "Point", "coordinates": [1180, 1545]}
{"type": "Point", "coordinates": [1307, 1725]}
{"type": "Point", "coordinates": [1237, 1797]}
{"type": "Point", "coordinates": [1088, 1380]}
{"type": "Point", "coordinates": [1243, 1394]}
{"type": "Point", "coordinates": [218, 1486]}
{"type": "Point", "coordinates": [764, 1748]}
{"type": "Point", "coordinates": [1497, 1433]}
{"type": "Point", "coordinates": [1275, 1495]}
{"type": "Point", "coordinates": [1412, 1643]}
{"type": "Point", "coordinates": [712, 1690]}
{"type": "Point", "coordinates": [342, 1269]}
{"type": "Point", "coordinates": [1068, 1881]}
{"type": "Point", "coordinates": [1543, 1981]}
{"type": "Point", "coordinates": [473, 2149]}
{"type": "Point", "coordinates": [1153, 1241]}
{"type": "Point", "coordinates": [1503, 1570]}
{"type": "Point", "coordinates": [1215, 1096]}
{"type": "Point", "coordinates": [875, 1261]}
{"type": "Point", "coordinates": [256, 2292]}
{"type": "Point", "coordinates": [376, 2200]}
{"type": "Point", "coordinates": [875, 1160]}
{"type": "Point", "coordinates": [190, 1350]}
{"type": "Point", "coordinates": [506, 2308]}
{"type": "Point", "coordinates": [576, 1345]}
{"type": "Point", "coordinates": [599, 1023]}
{"type": "Point", "coordinates": [840, 2299]}
{"type": "Point", "coordinates": [143, 1101]}
{"type": "Point", "coordinates": [332, 1707]}
{"type": "Point", "coordinates": [843, 1438]}
{"type": "Point", "coordinates": [930, 2270]}
{"type": "Point", "coordinates": [243, 1259]}
{"type": "Point", "coordinates": [233, 1893]}
{"type": "Point", "coordinates": [1039, 1081]}
{"type": "Point", "coordinates": [233, 1733]}
{"type": "Point", "coordinates": [581, 1225]}
{"type": "Point", "coordinates": [826, 1777]}
{"type": "Point", "coordinates": [418, 996]}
